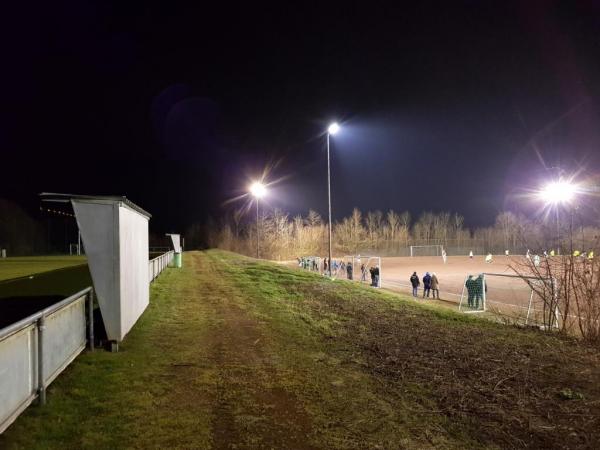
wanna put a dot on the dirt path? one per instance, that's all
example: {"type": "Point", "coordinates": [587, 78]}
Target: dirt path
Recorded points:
{"type": "Point", "coordinates": [250, 409]}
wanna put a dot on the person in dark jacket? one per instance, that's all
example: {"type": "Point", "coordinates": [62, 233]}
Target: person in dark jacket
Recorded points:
{"type": "Point", "coordinates": [471, 286]}
{"type": "Point", "coordinates": [349, 270]}
{"type": "Point", "coordinates": [415, 282]}
{"type": "Point", "coordinates": [426, 285]}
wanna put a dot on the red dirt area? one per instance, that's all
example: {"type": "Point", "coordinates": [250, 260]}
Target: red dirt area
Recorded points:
{"type": "Point", "coordinates": [396, 272]}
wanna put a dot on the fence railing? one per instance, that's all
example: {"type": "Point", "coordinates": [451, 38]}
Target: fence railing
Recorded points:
{"type": "Point", "coordinates": [35, 350]}
{"type": "Point", "coordinates": [158, 264]}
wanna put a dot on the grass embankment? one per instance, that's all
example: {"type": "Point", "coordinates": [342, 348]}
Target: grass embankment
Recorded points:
{"type": "Point", "coordinates": [233, 353]}
{"type": "Point", "coordinates": [16, 267]}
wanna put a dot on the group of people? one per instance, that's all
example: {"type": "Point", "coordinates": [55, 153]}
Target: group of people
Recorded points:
{"type": "Point", "coordinates": [313, 263]}
{"type": "Point", "coordinates": [475, 289]}
{"type": "Point", "coordinates": [430, 285]}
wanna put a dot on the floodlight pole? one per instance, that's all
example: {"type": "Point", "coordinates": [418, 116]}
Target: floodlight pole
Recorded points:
{"type": "Point", "coordinates": [557, 230]}
{"type": "Point", "coordinates": [257, 231]}
{"type": "Point", "coordinates": [329, 201]}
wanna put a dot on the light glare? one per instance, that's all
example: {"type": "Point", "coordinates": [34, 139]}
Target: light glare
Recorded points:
{"type": "Point", "coordinates": [258, 190]}
{"type": "Point", "coordinates": [333, 128]}
{"type": "Point", "coordinates": [558, 192]}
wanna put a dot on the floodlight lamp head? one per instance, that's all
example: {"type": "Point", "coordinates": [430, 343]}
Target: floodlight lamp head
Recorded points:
{"type": "Point", "coordinates": [333, 128]}
{"type": "Point", "coordinates": [558, 192]}
{"type": "Point", "coordinates": [258, 190]}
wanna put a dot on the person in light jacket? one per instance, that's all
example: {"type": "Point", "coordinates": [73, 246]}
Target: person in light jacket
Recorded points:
{"type": "Point", "coordinates": [435, 291]}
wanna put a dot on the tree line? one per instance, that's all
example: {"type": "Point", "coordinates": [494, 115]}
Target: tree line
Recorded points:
{"type": "Point", "coordinates": [390, 233]}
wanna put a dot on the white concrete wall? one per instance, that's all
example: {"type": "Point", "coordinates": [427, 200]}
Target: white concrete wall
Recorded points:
{"type": "Point", "coordinates": [99, 225]}
{"type": "Point", "coordinates": [134, 281]}
{"type": "Point", "coordinates": [115, 238]}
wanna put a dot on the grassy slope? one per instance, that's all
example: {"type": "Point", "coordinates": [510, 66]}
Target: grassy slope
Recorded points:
{"type": "Point", "coordinates": [23, 266]}
{"type": "Point", "coordinates": [237, 353]}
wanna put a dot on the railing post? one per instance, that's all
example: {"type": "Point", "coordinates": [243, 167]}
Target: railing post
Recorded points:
{"type": "Point", "coordinates": [41, 326]}
{"type": "Point", "coordinates": [91, 320]}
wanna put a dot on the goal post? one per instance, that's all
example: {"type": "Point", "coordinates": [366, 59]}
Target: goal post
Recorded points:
{"type": "Point", "coordinates": [510, 295]}
{"type": "Point", "coordinates": [426, 250]}
{"type": "Point", "coordinates": [362, 268]}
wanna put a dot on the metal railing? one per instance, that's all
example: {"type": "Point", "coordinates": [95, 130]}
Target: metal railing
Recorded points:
{"type": "Point", "coordinates": [158, 264]}
{"type": "Point", "coordinates": [35, 350]}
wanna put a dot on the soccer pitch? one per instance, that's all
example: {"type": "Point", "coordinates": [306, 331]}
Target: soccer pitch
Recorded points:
{"type": "Point", "coordinates": [29, 265]}
{"type": "Point", "coordinates": [30, 284]}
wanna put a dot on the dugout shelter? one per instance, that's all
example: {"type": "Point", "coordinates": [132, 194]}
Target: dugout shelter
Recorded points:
{"type": "Point", "coordinates": [114, 231]}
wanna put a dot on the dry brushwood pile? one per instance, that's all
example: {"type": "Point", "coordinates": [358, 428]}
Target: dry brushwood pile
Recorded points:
{"type": "Point", "coordinates": [509, 387]}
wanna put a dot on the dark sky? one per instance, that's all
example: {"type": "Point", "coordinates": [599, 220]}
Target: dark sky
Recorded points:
{"type": "Point", "coordinates": [444, 105]}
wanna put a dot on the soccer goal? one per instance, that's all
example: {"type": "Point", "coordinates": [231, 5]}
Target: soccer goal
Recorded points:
{"type": "Point", "coordinates": [517, 297]}
{"type": "Point", "coordinates": [362, 268]}
{"type": "Point", "coordinates": [426, 250]}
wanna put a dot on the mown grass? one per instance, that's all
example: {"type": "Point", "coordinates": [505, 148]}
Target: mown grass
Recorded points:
{"type": "Point", "coordinates": [16, 267]}
{"type": "Point", "coordinates": [235, 353]}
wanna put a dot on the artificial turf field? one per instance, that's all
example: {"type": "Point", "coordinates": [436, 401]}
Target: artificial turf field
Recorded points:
{"type": "Point", "coordinates": [30, 284]}
{"type": "Point", "coordinates": [17, 267]}
{"type": "Point", "coordinates": [235, 353]}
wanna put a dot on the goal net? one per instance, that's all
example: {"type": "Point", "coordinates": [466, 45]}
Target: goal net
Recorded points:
{"type": "Point", "coordinates": [520, 299]}
{"type": "Point", "coordinates": [363, 268]}
{"type": "Point", "coordinates": [426, 250]}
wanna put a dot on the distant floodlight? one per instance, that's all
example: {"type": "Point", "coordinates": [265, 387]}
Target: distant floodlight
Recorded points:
{"type": "Point", "coordinates": [258, 190]}
{"type": "Point", "coordinates": [333, 128]}
{"type": "Point", "coordinates": [558, 192]}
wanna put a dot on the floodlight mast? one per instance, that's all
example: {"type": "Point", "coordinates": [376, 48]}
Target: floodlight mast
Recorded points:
{"type": "Point", "coordinates": [332, 130]}
{"type": "Point", "coordinates": [258, 190]}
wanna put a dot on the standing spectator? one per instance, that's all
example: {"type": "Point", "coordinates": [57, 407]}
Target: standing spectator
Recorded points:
{"type": "Point", "coordinates": [471, 286]}
{"type": "Point", "coordinates": [426, 284]}
{"type": "Point", "coordinates": [325, 265]}
{"type": "Point", "coordinates": [349, 270]}
{"type": "Point", "coordinates": [479, 287]}
{"type": "Point", "coordinates": [415, 282]}
{"type": "Point", "coordinates": [372, 272]}
{"type": "Point", "coordinates": [363, 273]}
{"type": "Point", "coordinates": [376, 273]}
{"type": "Point", "coordinates": [435, 292]}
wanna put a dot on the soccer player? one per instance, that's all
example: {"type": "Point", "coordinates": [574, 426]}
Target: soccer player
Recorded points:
{"type": "Point", "coordinates": [536, 260]}
{"type": "Point", "coordinates": [414, 281]}
{"type": "Point", "coordinates": [471, 254]}
{"type": "Point", "coordinates": [489, 258]}
{"type": "Point", "coordinates": [444, 255]}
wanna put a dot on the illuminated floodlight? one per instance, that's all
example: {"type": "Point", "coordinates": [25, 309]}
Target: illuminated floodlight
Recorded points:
{"type": "Point", "coordinates": [558, 192]}
{"type": "Point", "coordinates": [333, 128]}
{"type": "Point", "coordinates": [258, 190]}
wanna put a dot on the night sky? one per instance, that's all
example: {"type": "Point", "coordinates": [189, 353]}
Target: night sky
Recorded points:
{"type": "Point", "coordinates": [456, 107]}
